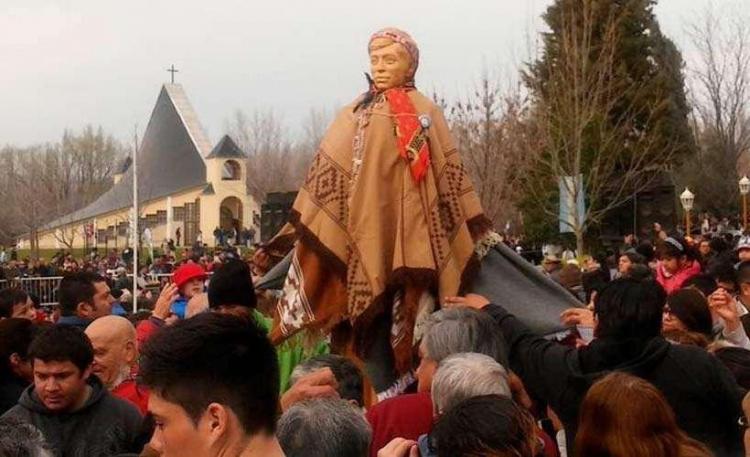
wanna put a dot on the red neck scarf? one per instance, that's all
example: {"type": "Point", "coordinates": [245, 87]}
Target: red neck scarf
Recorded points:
{"type": "Point", "coordinates": [411, 135]}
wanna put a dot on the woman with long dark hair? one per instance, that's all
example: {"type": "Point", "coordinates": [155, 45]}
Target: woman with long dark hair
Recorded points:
{"type": "Point", "coordinates": [624, 416]}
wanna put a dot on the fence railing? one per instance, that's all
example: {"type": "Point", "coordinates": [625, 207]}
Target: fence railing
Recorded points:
{"type": "Point", "coordinates": [44, 288]}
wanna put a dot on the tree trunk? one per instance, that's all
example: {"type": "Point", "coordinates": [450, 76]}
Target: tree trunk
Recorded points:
{"type": "Point", "coordinates": [36, 244]}
{"type": "Point", "coordinates": [579, 242]}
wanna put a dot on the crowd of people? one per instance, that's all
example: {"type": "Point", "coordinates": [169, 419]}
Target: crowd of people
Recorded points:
{"type": "Point", "coordinates": [115, 266]}
{"type": "Point", "coordinates": [656, 364]}
{"type": "Point", "coordinates": [163, 261]}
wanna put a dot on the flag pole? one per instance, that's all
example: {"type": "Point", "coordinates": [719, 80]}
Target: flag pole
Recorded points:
{"type": "Point", "coordinates": [135, 223]}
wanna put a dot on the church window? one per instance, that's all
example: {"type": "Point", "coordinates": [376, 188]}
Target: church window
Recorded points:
{"type": "Point", "coordinates": [231, 171]}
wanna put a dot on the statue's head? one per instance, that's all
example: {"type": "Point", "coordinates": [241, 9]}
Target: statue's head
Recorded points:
{"type": "Point", "coordinates": [394, 58]}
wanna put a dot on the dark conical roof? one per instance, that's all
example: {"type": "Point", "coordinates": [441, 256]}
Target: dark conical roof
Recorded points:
{"type": "Point", "coordinates": [226, 148]}
{"type": "Point", "coordinates": [170, 158]}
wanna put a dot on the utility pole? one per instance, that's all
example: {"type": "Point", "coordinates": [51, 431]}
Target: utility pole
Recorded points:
{"type": "Point", "coordinates": [135, 222]}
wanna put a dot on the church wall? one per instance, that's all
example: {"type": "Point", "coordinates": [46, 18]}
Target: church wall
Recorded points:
{"type": "Point", "coordinates": [74, 233]}
{"type": "Point", "coordinates": [209, 219]}
{"type": "Point", "coordinates": [51, 239]}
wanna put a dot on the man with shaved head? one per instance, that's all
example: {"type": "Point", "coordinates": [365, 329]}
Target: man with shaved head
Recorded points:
{"type": "Point", "coordinates": [115, 358]}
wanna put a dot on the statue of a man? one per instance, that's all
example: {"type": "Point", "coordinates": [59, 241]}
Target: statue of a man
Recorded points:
{"type": "Point", "coordinates": [386, 222]}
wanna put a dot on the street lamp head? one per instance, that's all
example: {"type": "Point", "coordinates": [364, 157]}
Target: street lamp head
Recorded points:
{"type": "Point", "coordinates": [687, 198]}
{"type": "Point", "coordinates": [744, 185]}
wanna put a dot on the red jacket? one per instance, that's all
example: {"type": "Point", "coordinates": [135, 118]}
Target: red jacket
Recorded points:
{"type": "Point", "coordinates": [146, 328]}
{"type": "Point", "coordinates": [410, 416]}
{"type": "Point", "coordinates": [406, 416]}
{"type": "Point", "coordinates": [137, 395]}
{"type": "Point", "coordinates": [674, 282]}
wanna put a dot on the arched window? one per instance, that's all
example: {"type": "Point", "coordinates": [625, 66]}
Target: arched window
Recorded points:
{"type": "Point", "coordinates": [231, 171]}
{"type": "Point", "coordinates": [230, 213]}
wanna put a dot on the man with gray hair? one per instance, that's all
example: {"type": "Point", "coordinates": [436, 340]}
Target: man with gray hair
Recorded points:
{"type": "Point", "coordinates": [324, 427]}
{"type": "Point", "coordinates": [456, 330]}
{"type": "Point", "coordinates": [460, 377]}
{"type": "Point", "coordinates": [446, 332]}
{"type": "Point", "coordinates": [466, 375]}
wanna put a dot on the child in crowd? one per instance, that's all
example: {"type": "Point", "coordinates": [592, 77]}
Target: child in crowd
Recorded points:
{"type": "Point", "coordinates": [189, 279]}
{"type": "Point", "coordinates": [676, 264]}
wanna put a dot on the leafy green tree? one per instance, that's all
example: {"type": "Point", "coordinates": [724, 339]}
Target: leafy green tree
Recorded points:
{"type": "Point", "coordinates": [609, 108]}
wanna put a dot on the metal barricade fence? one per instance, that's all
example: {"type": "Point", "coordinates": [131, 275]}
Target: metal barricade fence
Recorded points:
{"type": "Point", "coordinates": [162, 278]}
{"type": "Point", "coordinates": [154, 282]}
{"type": "Point", "coordinates": [44, 288]}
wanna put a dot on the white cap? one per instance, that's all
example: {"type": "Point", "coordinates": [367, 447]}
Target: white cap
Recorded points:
{"type": "Point", "coordinates": [743, 243]}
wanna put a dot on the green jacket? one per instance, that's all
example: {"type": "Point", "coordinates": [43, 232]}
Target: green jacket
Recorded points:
{"type": "Point", "coordinates": [290, 353]}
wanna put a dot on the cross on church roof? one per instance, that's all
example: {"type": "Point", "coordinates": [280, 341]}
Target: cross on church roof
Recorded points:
{"type": "Point", "coordinates": [173, 71]}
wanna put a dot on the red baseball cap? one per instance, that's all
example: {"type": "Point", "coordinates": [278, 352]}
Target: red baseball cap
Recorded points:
{"type": "Point", "coordinates": [187, 272]}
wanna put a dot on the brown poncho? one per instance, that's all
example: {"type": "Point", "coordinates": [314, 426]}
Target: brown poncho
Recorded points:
{"type": "Point", "coordinates": [370, 239]}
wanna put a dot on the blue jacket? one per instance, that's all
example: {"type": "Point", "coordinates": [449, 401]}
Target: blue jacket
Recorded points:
{"type": "Point", "coordinates": [118, 310]}
{"type": "Point", "coordinates": [423, 443]}
{"type": "Point", "coordinates": [179, 307]}
{"type": "Point", "coordinates": [74, 321]}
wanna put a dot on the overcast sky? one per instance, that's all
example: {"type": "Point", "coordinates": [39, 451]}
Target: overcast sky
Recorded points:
{"type": "Point", "coordinates": [68, 63]}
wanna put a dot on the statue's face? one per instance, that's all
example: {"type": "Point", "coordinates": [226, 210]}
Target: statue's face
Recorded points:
{"type": "Point", "coordinates": [389, 64]}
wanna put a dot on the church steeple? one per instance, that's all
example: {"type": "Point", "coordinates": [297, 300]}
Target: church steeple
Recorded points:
{"type": "Point", "coordinates": [226, 162]}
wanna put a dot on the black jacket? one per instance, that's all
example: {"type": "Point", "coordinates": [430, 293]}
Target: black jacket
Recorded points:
{"type": "Point", "coordinates": [11, 388]}
{"type": "Point", "coordinates": [103, 427]}
{"type": "Point", "coordinates": [702, 392]}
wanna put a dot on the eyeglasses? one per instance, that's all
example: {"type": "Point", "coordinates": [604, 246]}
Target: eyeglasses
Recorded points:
{"type": "Point", "coordinates": [743, 422]}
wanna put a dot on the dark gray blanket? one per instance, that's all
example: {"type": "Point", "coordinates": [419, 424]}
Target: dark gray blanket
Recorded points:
{"type": "Point", "coordinates": [508, 280]}
{"type": "Point", "coordinates": [505, 278]}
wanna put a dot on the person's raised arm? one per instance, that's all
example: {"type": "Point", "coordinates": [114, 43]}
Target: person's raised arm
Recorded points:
{"type": "Point", "coordinates": [725, 306]}
{"type": "Point", "coordinates": [318, 384]}
{"type": "Point", "coordinates": [541, 364]}
{"type": "Point", "coordinates": [146, 328]}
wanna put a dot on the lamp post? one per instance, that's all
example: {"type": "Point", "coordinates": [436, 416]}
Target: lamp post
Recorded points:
{"type": "Point", "coordinates": [744, 190]}
{"type": "Point", "coordinates": [687, 198]}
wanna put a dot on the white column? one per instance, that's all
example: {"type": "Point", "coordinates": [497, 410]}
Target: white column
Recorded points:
{"type": "Point", "coordinates": [170, 233]}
